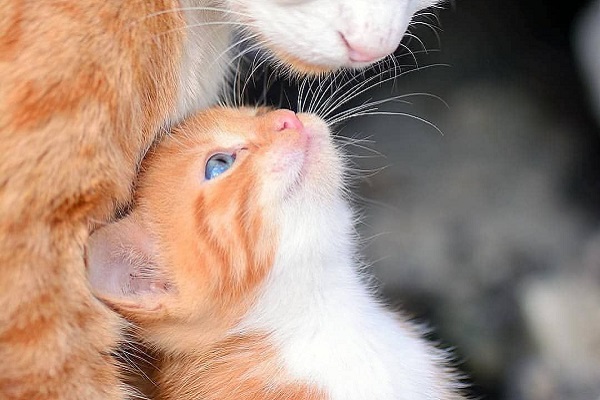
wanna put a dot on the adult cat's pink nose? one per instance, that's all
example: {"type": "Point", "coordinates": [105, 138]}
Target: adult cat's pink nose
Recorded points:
{"type": "Point", "coordinates": [358, 52]}
{"type": "Point", "coordinates": [286, 119]}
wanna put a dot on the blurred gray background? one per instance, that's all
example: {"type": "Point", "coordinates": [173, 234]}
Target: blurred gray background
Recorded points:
{"type": "Point", "coordinates": [490, 232]}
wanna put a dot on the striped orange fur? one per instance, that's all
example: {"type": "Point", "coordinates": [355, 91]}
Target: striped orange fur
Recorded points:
{"type": "Point", "coordinates": [74, 77]}
{"type": "Point", "coordinates": [240, 367]}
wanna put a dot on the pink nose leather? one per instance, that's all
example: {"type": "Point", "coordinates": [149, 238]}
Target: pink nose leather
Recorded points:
{"type": "Point", "coordinates": [287, 119]}
{"type": "Point", "coordinates": [357, 53]}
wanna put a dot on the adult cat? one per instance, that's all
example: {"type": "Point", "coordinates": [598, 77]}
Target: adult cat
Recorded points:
{"type": "Point", "coordinates": [85, 86]}
{"type": "Point", "coordinates": [238, 265]}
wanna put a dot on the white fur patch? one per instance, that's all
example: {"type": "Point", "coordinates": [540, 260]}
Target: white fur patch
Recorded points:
{"type": "Point", "coordinates": [205, 57]}
{"type": "Point", "coordinates": [314, 31]}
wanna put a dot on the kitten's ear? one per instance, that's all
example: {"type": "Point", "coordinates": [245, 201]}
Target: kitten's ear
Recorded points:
{"type": "Point", "coordinates": [122, 264]}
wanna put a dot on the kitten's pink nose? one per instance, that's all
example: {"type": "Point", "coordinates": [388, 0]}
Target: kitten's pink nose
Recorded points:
{"type": "Point", "coordinates": [286, 119]}
{"type": "Point", "coordinates": [358, 52]}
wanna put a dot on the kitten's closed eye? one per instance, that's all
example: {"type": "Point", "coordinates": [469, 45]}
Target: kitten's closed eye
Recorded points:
{"type": "Point", "coordinates": [217, 164]}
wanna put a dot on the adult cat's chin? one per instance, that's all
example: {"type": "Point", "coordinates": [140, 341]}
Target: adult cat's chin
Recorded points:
{"type": "Point", "coordinates": [313, 60]}
{"type": "Point", "coordinates": [299, 66]}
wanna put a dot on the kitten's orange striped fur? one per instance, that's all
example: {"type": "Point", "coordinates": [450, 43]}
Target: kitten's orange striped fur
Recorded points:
{"type": "Point", "coordinates": [85, 87]}
{"type": "Point", "coordinates": [196, 263]}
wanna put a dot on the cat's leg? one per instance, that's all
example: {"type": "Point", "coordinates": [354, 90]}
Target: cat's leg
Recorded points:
{"type": "Point", "coordinates": [55, 338]}
{"type": "Point", "coordinates": [60, 169]}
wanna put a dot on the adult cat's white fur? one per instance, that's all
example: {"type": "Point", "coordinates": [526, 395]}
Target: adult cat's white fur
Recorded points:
{"type": "Point", "coordinates": [314, 35]}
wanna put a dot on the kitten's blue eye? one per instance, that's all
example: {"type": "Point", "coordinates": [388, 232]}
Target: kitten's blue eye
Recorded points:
{"type": "Point", "coordinates": [218, 164]}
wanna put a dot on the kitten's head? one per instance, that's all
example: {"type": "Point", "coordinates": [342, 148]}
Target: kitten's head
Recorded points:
{"type": "Point", "coordinates": [322, 35]}
{"type": "Point", "coordinates": [207, 222]}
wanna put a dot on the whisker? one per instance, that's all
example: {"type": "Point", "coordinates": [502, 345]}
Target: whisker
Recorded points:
{"type": "Point", "coordinates": [391, 113]}
{"type": "Point", "coordinates": [235, 44]}
{"type": "Point", "coordinates": [251, 75]}
{"type": "Point", "coordinates": [362, 88]}
{"type": "Point", "coordinates": [410, 35]}
{"type": "Point", "coordinates": [361, 147]}
{"type": "Point", "coordinates": [208, 23]}
{"type": "Point", "coordinates": [183, 9]}
{"type": "Point", "coordinates": [399, 98]}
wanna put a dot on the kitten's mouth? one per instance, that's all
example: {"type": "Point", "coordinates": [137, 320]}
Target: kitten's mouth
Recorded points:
{"type": "Point", "coordinates": [302, 155]}
{"type": "Point", "coordinates": [313, 134]}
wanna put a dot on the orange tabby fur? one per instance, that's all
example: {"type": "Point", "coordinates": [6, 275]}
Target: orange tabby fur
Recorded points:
{"type": "Point", "coordinates": [76, 79]}
{"type": "Point", "coordinates": [233, 369]}
{"type": "Point", "coordinates": [84, 89]}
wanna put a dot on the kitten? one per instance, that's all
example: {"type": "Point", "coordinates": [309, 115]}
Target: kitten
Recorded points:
{"type": "Point", "coordinates": [238, 265]}
{"type": "Point", "coordinates": [85, 87]}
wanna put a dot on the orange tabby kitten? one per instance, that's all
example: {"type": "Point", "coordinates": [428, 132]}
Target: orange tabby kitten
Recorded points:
{"type": "Point", "coordinates": [238, 265]}
{"type": "Point", "coordinates": [85, 86]}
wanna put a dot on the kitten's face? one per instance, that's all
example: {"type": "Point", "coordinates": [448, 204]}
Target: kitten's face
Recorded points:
{"type": "Point", "coordinates": [321, 35]}
{"type": "Point", "coordinates": [205, 229]}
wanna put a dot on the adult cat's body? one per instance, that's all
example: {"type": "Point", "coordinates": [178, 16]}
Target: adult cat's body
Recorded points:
{"type": "Point", "coordinates": [238, 264]}
{"type": "Point", "coordinates": [84, 88]}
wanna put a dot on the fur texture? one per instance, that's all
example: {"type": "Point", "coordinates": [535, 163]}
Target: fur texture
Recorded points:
{"type": "Point", "coordinates": [85, 88]}
{"type": "Point", "coordinates": [247, 285]}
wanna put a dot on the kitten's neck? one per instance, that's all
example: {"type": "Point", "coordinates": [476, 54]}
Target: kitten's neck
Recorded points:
{"type": "Point", "coordinates": [328, 327]}
{"type": "Point", "coordinates": [315, 259]}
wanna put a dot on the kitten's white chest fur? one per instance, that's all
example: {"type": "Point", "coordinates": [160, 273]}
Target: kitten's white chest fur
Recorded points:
{"type": "Point", "coordinates": [329, 329]}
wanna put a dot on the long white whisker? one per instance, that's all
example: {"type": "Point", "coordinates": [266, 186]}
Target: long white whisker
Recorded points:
{"type": "Point", "coordinates": [399, 98]}
{"type": "Point", "coordinates": [412, 54]}
{"type": "Point", "coordinates": [362, 89]}
{"type": "Point", "coordinates": [253, 70]}
{"type": "Point", "coordinates": [246, 51]}
{"type": "Point", "coordinates": [244, 38]}
{"type": "Point", "coordinates": [197, 25]}
{"type": "Point", "coordinates": [352, 93]}
{"type": "Point", "coordinates": [408, 34]}
{"type": "Point", "coordinates": [394, 113]}
{"type": "Point", "coordinates": [183, 9]}
{"type": "Point", "coordinates": [319, 104]}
